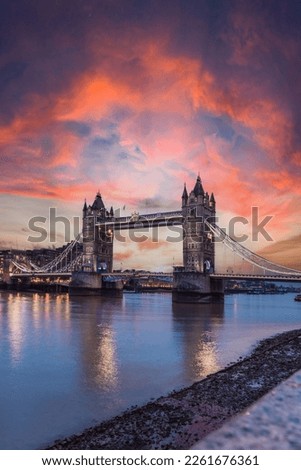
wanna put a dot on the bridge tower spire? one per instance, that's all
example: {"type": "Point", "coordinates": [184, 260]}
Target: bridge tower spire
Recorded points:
{"type": "Point", "coordinates": [198, 243]}
{"type": "Point", "coordinates": [184, 196]}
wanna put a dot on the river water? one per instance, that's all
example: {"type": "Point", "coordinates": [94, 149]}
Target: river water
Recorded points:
{"type": "Point", "coordinates": [70, 362]}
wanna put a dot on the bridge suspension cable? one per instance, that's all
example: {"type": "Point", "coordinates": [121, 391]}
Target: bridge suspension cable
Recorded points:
{"type": "Point", "coordinates": [22, 267]}
{"type": "Point", "coordinates": [247, 254]}
{"type": "Point", "coordinates": [70, 266]}
{"type": "Point", "coordinates": [54, 264]}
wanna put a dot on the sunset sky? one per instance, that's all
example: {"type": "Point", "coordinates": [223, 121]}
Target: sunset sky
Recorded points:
{"type": "Point", "coordinates": [134, 98]}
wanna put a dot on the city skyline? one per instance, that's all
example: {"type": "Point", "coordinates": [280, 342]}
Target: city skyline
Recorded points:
{"type": "Point", "coordinates": [135, 98]}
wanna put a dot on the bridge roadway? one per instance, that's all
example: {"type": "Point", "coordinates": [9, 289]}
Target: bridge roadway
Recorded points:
{"type": "Point", "coordinates": [115, 275]}
{"type": "Point", "coordinates": [42, 275]}
{"type": "Point", "coordinates": [227, 276]}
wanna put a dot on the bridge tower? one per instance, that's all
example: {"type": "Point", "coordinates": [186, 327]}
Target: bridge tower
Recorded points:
{"type": "Point", "coordinates": [97, 237]}
{"type": "Point", "coordinates": [192, 282]}
{"type": "Point", "coordinates": [198, 242]}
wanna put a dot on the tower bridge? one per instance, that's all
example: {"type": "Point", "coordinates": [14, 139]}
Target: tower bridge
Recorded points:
{"type": "Point", "coordinates": [197, 280]}
{"type": "Point", "coordinates": [99, 225]}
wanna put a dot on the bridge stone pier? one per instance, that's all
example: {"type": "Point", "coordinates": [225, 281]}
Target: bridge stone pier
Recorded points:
{"type": "Point", "coordinates": [196, 287]}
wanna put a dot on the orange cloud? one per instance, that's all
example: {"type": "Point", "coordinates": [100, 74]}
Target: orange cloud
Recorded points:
{"type": "Point", "coordinates": [284, 252]}
{"type": "Point", "coordinates": [282, 181]}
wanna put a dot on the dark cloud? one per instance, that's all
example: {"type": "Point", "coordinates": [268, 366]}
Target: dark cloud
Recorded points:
{"type": "Point", "coordinates": [223, 128]}
{"type": "Point", "coordinates": [11, 71]}
{"type": "Point", "coordinates": [105, 142]}
{"type": "Point", "coordinates": [154, 203]}
{"type": "Point", "coordinates": [80, 129]}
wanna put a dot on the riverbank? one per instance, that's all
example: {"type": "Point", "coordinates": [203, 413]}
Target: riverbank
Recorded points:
{"type": "Point", "coordinates": [182, 418]}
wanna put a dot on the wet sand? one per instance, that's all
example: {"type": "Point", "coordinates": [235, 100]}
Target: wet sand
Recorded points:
{"type": "Point", "coordinates": [182, 418]}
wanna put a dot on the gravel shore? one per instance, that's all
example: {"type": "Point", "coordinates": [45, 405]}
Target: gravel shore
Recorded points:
{"type": "Point", "coordinates": [182, 418]}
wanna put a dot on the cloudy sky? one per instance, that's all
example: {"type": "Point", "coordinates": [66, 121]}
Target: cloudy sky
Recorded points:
{"type": "Point", "coordinates": [134, 97]}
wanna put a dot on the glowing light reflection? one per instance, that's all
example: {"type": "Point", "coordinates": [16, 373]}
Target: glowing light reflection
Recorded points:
{"type": "Point", "coordinates": [15, 322]}
{"type": "Point", "coordinates": [206, 361]}
{"type": "Point", "coordinates": [106, 360]}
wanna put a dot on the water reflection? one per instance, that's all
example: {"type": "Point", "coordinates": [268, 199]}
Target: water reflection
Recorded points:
{"type": "Point", "coordinates": [98, 340]}
{"type": "Point", "coordinates": [23, 314]}
{"type": "Point", "coordinates": [197, 327]}
{"type": "Point", "coordinates": [15, 326]}
{"type": "Point", "coordinates": [66, 362]}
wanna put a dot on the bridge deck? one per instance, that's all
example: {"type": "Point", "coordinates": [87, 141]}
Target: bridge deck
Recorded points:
{"type": "Point", "coordinates": [227, 276]}
{"type": "Point", "coordinates": [115, 275]}
{"type": "Point", "coordinates": [37, 274]}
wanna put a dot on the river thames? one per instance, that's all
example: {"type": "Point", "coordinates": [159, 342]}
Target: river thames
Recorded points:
{"type": "Point", "coordinates": [70, 362]}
